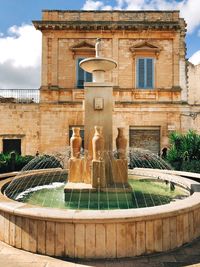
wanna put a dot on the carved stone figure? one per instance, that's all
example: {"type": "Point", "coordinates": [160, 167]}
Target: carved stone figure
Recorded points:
{"type": "Point", "coordinates": [75, 143]}
{"type": "Point", "coordinates": [121, 143]}
{"type": "Point", "coordinates": [98, 144]}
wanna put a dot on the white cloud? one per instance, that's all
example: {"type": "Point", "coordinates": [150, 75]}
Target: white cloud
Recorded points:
{"type": "Point", "coordinates": [92, 5]}
{"type": "Point", "coordinates": [22, 46]}
{"type": "Point", "coordinates": [19, 77]}
{"type": "Point", "coordinates": [134, 5]}
{"type": "Point", "coordinates": [190, 11]}
{"type": "Point", "coordinates": [195, 58]}
{"type": "Point", "coordinates": [20, 57]}
{"type": "Point", "coordinates": [95, 5]}
{"type": "Point", "coordinates": [120, 4]}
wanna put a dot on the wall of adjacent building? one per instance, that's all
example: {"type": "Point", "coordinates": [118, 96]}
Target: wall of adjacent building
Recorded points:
{"type": "Point", "coordinates": [21, 121]}
{"type": "Point", "coordinates": [45, 127]}
{"type": "Point", "coordinates": [194, 84]}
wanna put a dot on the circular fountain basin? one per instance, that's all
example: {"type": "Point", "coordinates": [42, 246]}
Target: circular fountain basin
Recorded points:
{"type": "Point", "coordinates": [144, 193]}
{"type": "Point", "coordinates": [98, 64]}
{"type": "Point", "coordinates": [100, 233]}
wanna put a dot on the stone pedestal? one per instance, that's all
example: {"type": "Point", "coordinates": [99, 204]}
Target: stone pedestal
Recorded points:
{"type": "Point", "coordinates": [98, 111]}
{"type": "Point", "coordinates": [75, 170]}
{"type": "Point", "coordinates": [98, 174]}
{"type": "Point", "coordinates": [120, 171]}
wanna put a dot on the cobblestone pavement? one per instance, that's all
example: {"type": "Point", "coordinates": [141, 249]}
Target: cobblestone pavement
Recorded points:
{"type": "Point", "coordinates": [188, 255]}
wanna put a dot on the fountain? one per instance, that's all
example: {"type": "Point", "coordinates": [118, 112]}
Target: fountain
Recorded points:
{"type": "Point", "coordinates": [98, 171]}
{"type": "Point", "coordinates": [98, 208]}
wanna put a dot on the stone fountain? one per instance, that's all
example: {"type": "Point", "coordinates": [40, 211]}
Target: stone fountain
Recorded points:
{"type": "Point", "coordinates": [94, 232]}
{"type": "Point", "coordinates": [98, 170]}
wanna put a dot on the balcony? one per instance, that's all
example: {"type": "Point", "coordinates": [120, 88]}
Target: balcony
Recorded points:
{"type": "Point", "coordinates": [25, 96]}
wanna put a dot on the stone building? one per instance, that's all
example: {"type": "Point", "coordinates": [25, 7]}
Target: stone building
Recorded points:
{"type": "Point", "coordinates": [151, 93]}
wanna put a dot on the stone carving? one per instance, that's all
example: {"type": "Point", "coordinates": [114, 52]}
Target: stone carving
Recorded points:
{"type": "Point", "coordinates": [121, 143]}
{"type": "Point", "coordinates": [75, 143]}
{"type": "Point", "coordinates": [98, 144]}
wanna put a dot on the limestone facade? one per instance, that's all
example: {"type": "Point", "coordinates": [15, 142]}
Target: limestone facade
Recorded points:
{"type": "Point", "coordinates": [194, 84]}
{"type": "Point", "coordinates": [126, 36]}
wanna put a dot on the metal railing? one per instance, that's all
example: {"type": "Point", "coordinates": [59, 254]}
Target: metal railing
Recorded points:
{"type": "Point", "coordinates": [19, 96]}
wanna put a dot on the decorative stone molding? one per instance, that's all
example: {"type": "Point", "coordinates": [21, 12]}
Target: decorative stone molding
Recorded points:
{"type": "Point", "coordinates": [145, 48]}
{"type": "Point", "coordinates": [106, 25]}
{"type": "Point", "coordinates": [13, 136]}
{"type": "Point", "coordinates": [83, 48]}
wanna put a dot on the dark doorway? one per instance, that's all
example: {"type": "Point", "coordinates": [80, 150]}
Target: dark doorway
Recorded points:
{"type": "Point", "coordinates": [10, 145]}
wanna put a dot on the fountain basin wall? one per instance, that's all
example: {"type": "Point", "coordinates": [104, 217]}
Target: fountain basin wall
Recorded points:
{"type": "Point", "coordinates": [101, 233]}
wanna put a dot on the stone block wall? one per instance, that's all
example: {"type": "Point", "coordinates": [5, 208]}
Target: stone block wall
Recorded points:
{"type": "Point", "coordinates": [45, 127]}
{"type": "Point", "coordinates": [21, 121]}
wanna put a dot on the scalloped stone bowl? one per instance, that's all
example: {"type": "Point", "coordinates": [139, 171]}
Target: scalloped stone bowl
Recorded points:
{"type": "Point", "coordinates": [101, 233]}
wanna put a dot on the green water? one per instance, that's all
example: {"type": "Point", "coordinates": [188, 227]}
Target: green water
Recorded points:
{"type": "Point", "coordinates": [145, 193]}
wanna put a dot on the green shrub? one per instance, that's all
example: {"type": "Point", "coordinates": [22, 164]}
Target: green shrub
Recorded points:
{"type": "Point", "coordinates": [6, 162]}
{"type": "Point", "coordinates": [184, 152]}
{"type": "Point", "coordinates": [191, 166]}
{"type": "Point", "coordinates": [4, 159]}
{"type": "Point", "coordinates": [28, 162]}
{"type": "Point", "coordinates": [22, 161]}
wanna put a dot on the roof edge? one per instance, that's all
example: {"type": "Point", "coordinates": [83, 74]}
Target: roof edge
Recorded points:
{"type": "Point", "coordinates": [111, 11]}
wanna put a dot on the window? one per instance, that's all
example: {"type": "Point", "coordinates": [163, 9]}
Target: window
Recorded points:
{"type": "Point", "coordinates": [145, 73]}
{"type": "Point", "coordinates": [10, 145]}
{"type": "Point", "coordinates": [82, 76]}
{"type": "Point", "coordinates": [81, 133]}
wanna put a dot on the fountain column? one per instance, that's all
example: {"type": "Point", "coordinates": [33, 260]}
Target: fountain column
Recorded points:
{"type": "Point", "coordinates": [99, 107]}
{"type": "Point", "coordinates": [98, 111]}
{"type": "Point", "coordinates": [99, 171]}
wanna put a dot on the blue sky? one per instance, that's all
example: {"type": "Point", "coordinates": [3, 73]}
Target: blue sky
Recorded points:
{"type": "Point", "coordinates": [21, 12]}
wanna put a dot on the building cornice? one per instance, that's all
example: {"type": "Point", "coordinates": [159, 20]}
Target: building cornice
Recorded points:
{"type": "Point", "coordinates": [106, 25]}
{"type": "Point", "coordinates": [110, 11]}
